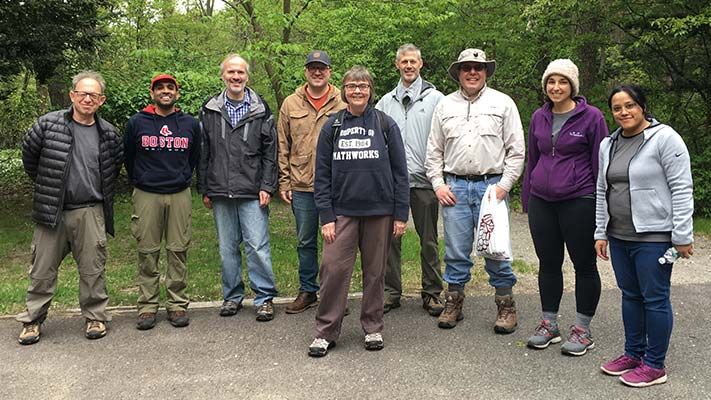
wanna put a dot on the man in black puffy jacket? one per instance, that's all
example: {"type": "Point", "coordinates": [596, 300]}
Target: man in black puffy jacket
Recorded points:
{"type": "Point", "coordinates": [73, 157]}
{"type": "Point", "coordinates": [237, 176]}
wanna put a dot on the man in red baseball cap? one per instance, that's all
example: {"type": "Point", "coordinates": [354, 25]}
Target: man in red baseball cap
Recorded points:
{"type": "Point", "coordinates": [162, 148]}
{"type": "Point", "coordinates": [163, 78]}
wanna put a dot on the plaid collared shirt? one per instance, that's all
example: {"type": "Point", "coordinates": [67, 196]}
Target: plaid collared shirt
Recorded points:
{"type": "Point", "coordinates": [236, 113]}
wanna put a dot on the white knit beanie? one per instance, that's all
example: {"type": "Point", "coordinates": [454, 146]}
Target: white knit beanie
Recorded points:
{"type": "Point", "coordinates": [566, 68]}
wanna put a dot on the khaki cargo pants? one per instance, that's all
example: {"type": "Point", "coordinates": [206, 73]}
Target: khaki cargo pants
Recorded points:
{"type": "Point", "coordinates": [82, 232]}
{"type": "Point", "coordinates": [158, 217]}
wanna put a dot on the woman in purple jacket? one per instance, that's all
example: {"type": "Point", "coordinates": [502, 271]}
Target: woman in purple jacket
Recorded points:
{"type": "Point", "coordinates": [559, 196]}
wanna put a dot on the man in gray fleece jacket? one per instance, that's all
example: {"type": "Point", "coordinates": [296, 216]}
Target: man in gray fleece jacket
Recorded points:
{"type": "Point", "coordinates": [411, 105]}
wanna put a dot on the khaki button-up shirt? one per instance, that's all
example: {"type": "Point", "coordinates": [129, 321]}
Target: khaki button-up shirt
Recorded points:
{"type": "Point", "coordinates": [476, 137]}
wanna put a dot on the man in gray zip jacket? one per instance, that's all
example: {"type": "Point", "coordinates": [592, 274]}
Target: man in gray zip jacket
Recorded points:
{"type": "Point", "coordinates": [237, 176]}
{"type": "Point", "coordinates": [411, 105]}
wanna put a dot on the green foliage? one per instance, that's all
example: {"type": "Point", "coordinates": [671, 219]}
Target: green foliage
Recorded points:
{"type": "Point", "coordinates": [37, 33]}
{"type": "Point", "coordinates": [661, 45]}
{"type": "Point", "coordinates": [18, 108]}
{"type": "Point", "coordinates": [13, 180]}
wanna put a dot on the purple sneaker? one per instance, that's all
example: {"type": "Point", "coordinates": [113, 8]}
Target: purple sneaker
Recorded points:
{"type": "Point", "coordinates": [620, 365]}
{"type": "Point", "coordinates": [644, 376]}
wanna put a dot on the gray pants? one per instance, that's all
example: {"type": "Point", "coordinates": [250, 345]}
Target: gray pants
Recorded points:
{"type": "Point", "coordinates": [156, 217]}
{"type": "Point", "coordinates": [372, 236]}
{"type": "Point", "coordinates": [425, 212]}
{"type": "Point", "coordinates": [82, 232]}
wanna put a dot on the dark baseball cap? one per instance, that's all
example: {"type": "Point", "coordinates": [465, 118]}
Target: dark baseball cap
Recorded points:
{"type": "Point", "coordinates": [318, 56]}
{"type": "Point", "coordinates": [163, 77]}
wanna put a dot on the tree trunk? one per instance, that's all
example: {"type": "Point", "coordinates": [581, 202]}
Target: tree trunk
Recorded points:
{"type": "Point", "coordinates": [44, 100]}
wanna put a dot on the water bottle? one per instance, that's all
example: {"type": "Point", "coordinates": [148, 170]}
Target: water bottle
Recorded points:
{"type": "Point", "coordinates": [669, 256]}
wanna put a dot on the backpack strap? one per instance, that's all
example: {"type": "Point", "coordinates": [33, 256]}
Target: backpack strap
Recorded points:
{"type": "Point", "coordinates": [337, 125]}
{"type": "Point", "coordinates": [384, 127]}
{"type": "Point", "coordinates": [381, 124]}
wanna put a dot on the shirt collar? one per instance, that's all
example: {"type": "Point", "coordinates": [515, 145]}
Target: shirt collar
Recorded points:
{"type": "Point", "coordinates": [413, 91]}
{"type": "Point", "coordinates": [245, 101]}
{"type": "Point", "coordinates": [475, 98]}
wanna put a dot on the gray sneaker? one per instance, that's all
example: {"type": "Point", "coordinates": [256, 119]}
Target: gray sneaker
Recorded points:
{"type": "Point", "coordinates": [546, 333]}
{"type": "Point", "coordinates": [578, 343]}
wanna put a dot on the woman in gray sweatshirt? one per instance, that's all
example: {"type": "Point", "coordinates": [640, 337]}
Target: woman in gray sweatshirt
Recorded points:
{"type": "Point", "coordinates": [644, 208]}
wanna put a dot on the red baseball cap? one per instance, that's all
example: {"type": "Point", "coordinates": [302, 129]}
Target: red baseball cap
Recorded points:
{"type": "Point", "coordinates": [164, 77]}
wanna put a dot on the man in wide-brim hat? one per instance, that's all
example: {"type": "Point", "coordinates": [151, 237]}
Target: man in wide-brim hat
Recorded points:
{"type": "Point", "coordinates": [476, 140]}
{"type": "Point", "coordinates": [473, 56]}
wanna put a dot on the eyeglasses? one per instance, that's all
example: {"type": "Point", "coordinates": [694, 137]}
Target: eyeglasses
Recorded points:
{"type": "Point", "coordinates": [93, 96]}
{"type": "Point", "coordinates": [351, 87]}
{"type": "Point", "coordinates": [469, 67]}
{"type": "Point", "coordinates": [316, 67]}
{"type": "Point", "coordinates": [616, 109]}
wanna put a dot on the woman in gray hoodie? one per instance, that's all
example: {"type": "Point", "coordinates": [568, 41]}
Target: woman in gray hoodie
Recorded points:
{"type": "Point", "coordinates": [644, 212]}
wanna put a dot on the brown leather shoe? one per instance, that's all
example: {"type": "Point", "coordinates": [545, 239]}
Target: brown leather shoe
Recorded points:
{"type": "Point", "coordinates": [433, 305]}
{"type": "Point", "coordinates": [390, 305]}
{"type": "Point", "coordinates": [506, 319]}
{"type": "Point", "coordinates": [453, 303]}
{"type": "Point", "coordinates": [179, 318]}
{"type": "Point", "coordinates": [303, 302]}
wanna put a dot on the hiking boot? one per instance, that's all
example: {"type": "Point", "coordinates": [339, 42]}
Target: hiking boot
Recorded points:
{"type": "Point", "coordinates": [320, 347]}
{"type": "Point", "coordinates": [506, 319]}
{"type": "Point", "coordinates": [30, 333]}
{"type": "Point", "coordinates": [433, 305]}
{"type": "Point", "coordinates": [578, 343]}
{"type": "Point", "coordinates": [95, 329]}
{"type": "Point", "coordinates": [229, 308]}
{"type": "Point", "coordinates": [265, 312]}
{"type": "Point", "coordinates": [546, 333]}
{"type": "Point", "coordinates": [303, 302]}
{"type": "Point", "coordinates": [452, 313]}
{"type": "Point", "coordinates": [178, 319]}
{"type": "Point", "coordinates": [644, 376]}
{"type": "Point", "coordinates": [390, 305]}
{"type": "Point", "coordinates": [620, 365]}
{"type": "Point", "coordinates": [146, 321]}
{"type": "Point", "coordinates": [374, 341]}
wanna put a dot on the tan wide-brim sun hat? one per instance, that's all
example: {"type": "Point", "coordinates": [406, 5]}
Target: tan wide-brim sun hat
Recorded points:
{"type": "Point", "coordinates": [472, 55]}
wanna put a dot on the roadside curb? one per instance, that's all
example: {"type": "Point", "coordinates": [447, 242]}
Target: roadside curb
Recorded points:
{"type": "Point", "coordinates": [193, 306]}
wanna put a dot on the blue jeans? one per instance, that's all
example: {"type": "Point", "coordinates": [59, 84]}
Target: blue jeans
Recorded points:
{"type": "Point", "coordinates": [646, 308]}
{"type": "Point", "coordinates": [460, 222]}
{"type": "Point", "coordinates": [239, 220]}
{"type": "Point", "coordinates": [304, 208]}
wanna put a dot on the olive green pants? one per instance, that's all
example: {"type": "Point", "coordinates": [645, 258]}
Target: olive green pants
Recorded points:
{"type": "Point", "coordinates": [82, 232]}
{"type": "Point", "coordinates": [158, 217]}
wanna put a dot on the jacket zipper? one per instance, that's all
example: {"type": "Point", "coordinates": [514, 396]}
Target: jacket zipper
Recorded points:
{"type": "Point", "coordinates": [629, 192]}
{"type": "Point", "coordinates": [60, 206]}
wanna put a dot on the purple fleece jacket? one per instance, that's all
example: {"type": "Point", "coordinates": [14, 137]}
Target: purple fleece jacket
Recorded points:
{"type": "Point", "coordinates": [569, 169]}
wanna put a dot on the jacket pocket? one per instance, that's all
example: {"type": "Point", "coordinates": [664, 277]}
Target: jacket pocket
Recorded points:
{"type": "Point", "coordinates": [450, 126]}
{"type": "Point", "coordinates": [302, 169]}
{"type": "Point", "coordinates": [647, 207]}
{"type": "Point", "coordinates": [299, 126]}
{"type": "Point", "coordinates": [363, 189]}
{"type": "Point", "coordinates": [490, 123]}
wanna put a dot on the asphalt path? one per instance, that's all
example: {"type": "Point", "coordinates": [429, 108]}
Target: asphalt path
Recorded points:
{"type": "Point", "coordinates": [238, 357]}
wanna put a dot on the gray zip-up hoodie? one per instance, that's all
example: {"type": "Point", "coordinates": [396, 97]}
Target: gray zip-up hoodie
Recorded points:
{"type": "Point", "coordinates": [414, 122]}
{"type": "Point", "coordinates": [661, 188]}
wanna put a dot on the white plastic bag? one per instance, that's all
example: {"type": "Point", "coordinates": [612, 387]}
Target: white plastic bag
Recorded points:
{"type": "Point", "coordinates": [493, 239]}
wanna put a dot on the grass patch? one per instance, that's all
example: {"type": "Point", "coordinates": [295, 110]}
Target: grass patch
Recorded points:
{"type": "Point", "coordinates": [702, 226]}
{"type": "Point", "coordinates": [204, 281]}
